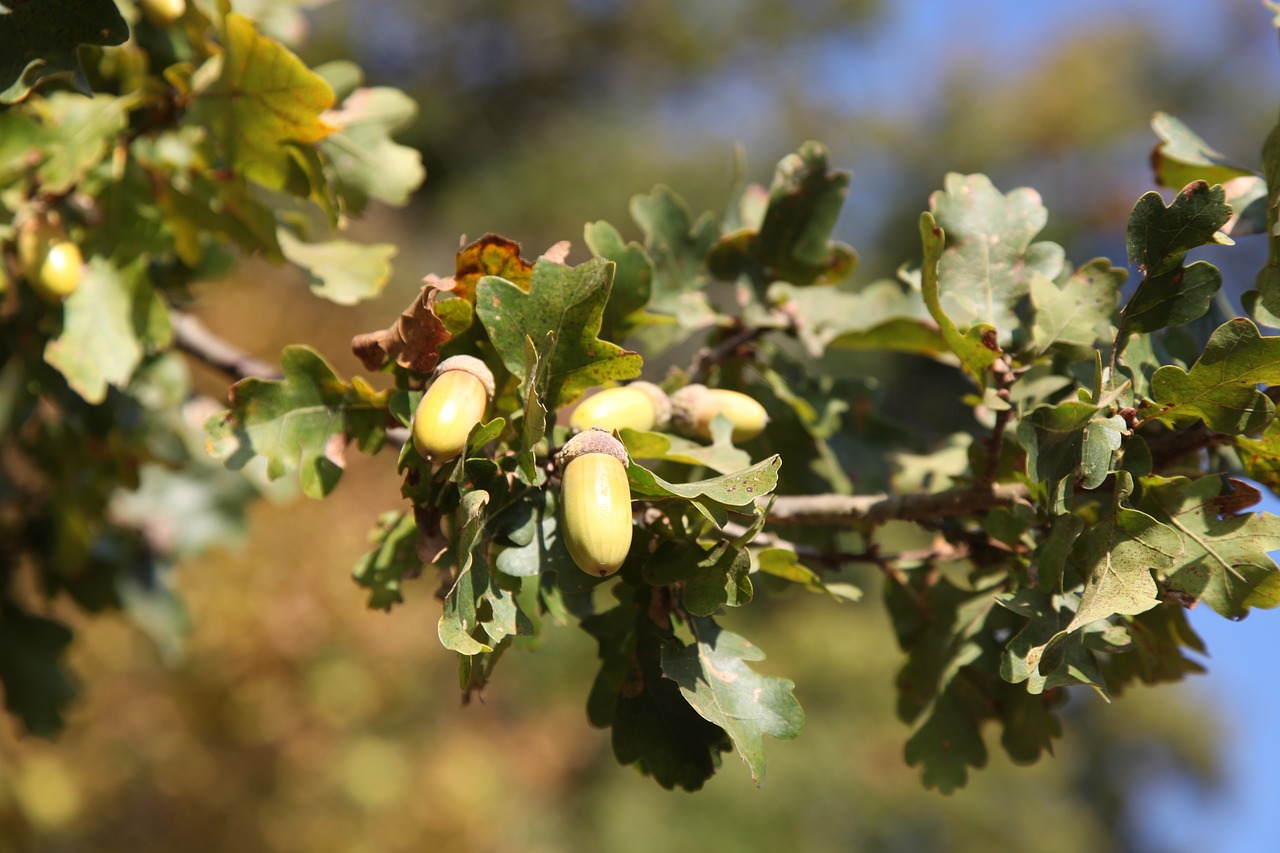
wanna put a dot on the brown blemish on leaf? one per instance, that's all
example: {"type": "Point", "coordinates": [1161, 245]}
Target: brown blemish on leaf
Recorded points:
{"type": "Point", "coordinates": [990, 342]}
{"type": "Point", "coordinates": [490, 255]}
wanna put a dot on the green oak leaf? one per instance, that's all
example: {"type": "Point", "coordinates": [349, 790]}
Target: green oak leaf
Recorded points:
{"type": "Point", "coordinates": [1102, 437]}
{"type": "Point", "coordinates": [76, 134]}
{"type": "Point", "coordinates": [793, 242]}
{"type": "Point", "coordinates": [947, 740]}
{"type": "Point", "coordinates": [739, 490]}
{"type": "Point", "coordinates": [1054, 439]}
{"type": "Point", "coordinates": [1182, 157]}
{"type": "Point", "coordinates": [38, 687]}
{"type": "Point", "coordinates": [783, 563]}
{"type": "Point", "coordinates": [112, 320]}
{"type": "Point", "coordinates": [976, 346]}
{"type": "Point", "coordinates": [1076, 310]}
{"type": "Point", "coordinates": [341, 271]}
{"type": "Point", "coordinates": [878, 316]}
{"type": "Point", "coordinates": [1261, 456]}
{"type": "Point", "coordinates": [1116, 556]}
{"type": "Point", "coordinates": [1221, 388]}
{"type": "Point", "coordinates": [1051, 555]}
{"type": "Point", "coordinates": [301, 422]}
{"type": "Point", "coordinates": [393, 560]}
{"type": "Point", "coordinates": [200, 505]}
{"type": "Point", "coordinates": [533, 424]}
{"type": "Point", "coordinates": [1159, 638]}
{"type": "Point", "coordinates": [38, 41]}
{"type": "Point", "coordinates": [360, 152]}
{"type": "Point", "coordinates": [1042, 654]}
{"type": "Point", "coordinates": [944, 688]}
{"type": "Point", "coordinates": [1030, 726]}
{"type": "Point", "coordinates": [1265, 304]}
{"type": "Point", "coordinates": [568, 301]}
{"type": "Point", "coordinates": [528, 538]}
{"type": "Point", "coordinates": [262, 97]}
{"type": "Point", "coordinates": [677, 246]}
{"type": "Point", "coordinates": [1225, 563]}
{"type": "Point", "coordinates": [720, 456]}
{"type": "Point", "coordinates": [990, 258]}
{"type": "Point", "coordinates": [1158, 240]}
{"type": "Point", "coordinates": [715, 679]}
{"type": "Point", "coordinates": [460, 621]}
{"type": "Point", "coordinates": [632, 279]}
{"type": "Point", "coordinates": [654, 726]}
{"type": "Point", "coordinates": [20, 134]}
{"type": "Point", "coordinates": [712, 579]}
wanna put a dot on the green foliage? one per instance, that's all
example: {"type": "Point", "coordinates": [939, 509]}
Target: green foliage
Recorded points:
{"type": "Point", "coordinates": [1052, 538]}
{"type": "Point", "coordinates": [302, 422]}
{"type": "Point", "coordinates": [38, 41]}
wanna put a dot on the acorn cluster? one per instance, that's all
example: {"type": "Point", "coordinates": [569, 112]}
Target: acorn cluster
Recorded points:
{"type": "Point", "coordinates": [595, 496]}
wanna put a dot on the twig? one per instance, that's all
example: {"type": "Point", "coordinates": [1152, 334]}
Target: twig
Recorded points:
{"type": "Point", "coordinates": [863, 510]}
{"type": "Point", "coordinates": [1004, 378]}
{"type": "Point", "coordinates": [707, 357]}
{"type": "Point", "coordinates": [194, 338]}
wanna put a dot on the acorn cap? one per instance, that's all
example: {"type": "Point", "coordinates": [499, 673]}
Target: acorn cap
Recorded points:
{"type": "Point", "coordinates": [594, 440]}
{"type": "Point", "coordinates": [469, 364]}
{"type": "Point", "coordinates": [661, 402]}
{"type": "Point", "coordinates": [684, 407]}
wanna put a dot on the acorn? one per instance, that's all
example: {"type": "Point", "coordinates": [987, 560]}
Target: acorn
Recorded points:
{"type": "Point", "coordinates": [595, 502]}
{"type": "Point", "coordinates": [453, 405]}
{"type": "Point", "coordinates": [640, 406]}
{"type": "Point", "coordinates": [694, 407]}
{"type": "Point", "coordinates": [51, 263]}
{"type": "Point", "coordinates": [164, 13]}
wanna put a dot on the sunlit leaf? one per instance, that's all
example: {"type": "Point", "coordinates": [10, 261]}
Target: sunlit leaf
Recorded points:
{"type": "Point", "coordinates": [714, 677]}
{"type": "Point", "coordinates": [340, 270]}
{"type": "Point", "coordinates": [1221, 388]}
{"type": "Point", "coordinates": [568, 301]}
{"type": "Point", "coordinates": [302, 422]}
{"type": "Point", "coordinates": [262, 98]}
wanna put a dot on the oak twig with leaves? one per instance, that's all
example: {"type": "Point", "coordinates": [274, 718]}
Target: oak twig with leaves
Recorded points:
{"type": "Point", "coordinates": [1054, 538]}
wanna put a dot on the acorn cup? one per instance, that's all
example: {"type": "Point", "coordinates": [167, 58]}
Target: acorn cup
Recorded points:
{"type": "Point", "coordinates": [640, 406]}
{"type": "Point", "coordinates": [694, 407]}
{"type": "Point", "coordinates": [454, 403]}
{"type": "Point", "coordinates": [595, 502]}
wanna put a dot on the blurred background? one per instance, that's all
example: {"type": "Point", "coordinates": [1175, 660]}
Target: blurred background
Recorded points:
{"type": "Point", "coordinates": [297, 720]}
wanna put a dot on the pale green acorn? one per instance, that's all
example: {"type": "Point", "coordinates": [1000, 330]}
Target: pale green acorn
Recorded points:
{"type": "Point", "coordinates": [595, 502]}
{"type": "Point", "coordinates": [694, 407]}
{"type": "Point", "coordinates": [640, 406]}
{"type": "Point", "coordinates": [453, 405]}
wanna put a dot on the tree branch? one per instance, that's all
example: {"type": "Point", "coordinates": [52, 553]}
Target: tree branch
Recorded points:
{"type": "Point", "coordinates": [861, 510]}
{"type": "Point", "coordinates": [195, 339]}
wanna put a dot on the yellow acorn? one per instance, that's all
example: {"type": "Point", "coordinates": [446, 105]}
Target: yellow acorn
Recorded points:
{"type": "Point", "coordinates": [453, 405]}
{"type": "Point", "coordinates": [595, 502]}
{"type": "Point", "coordinates": [641, 406]}
{"type": "Point", "coordinates": [51, 263]}
{"type": "Point", "coordinates": [163, 13]}
{"type": "Point", "coordinates": [694, 407]}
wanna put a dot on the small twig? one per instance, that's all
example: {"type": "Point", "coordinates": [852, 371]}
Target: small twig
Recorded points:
{"type": "Point", "coordinates": [708, 357]}
{"type": "Point", "coordinates": [194, 338]}
{"type": "Point", "coordinates": [862, 510]}
{"type": "Point", "coordinates": [1004, 378]}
